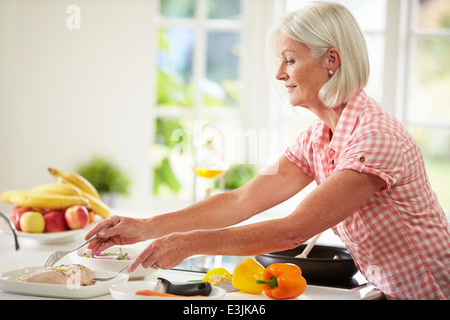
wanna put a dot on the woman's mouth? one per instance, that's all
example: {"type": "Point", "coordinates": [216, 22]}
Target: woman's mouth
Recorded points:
{"type": "Point", "coordinates": [291, 88]}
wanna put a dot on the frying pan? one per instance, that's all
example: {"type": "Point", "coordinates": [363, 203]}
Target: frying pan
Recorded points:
{"type": "Point", "coordinates": [320, 265]}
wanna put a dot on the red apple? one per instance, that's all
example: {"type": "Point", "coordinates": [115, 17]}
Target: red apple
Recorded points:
{"type": "Point", "coordinates": [15, 215]}
{"type": "Point", "coordinates": [55, 221]}
{"type": "Point", "coordinates": [77, 217]}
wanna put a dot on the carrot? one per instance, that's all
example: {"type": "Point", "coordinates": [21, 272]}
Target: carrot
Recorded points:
{"type": "Point", "coordinates": [159, 294]}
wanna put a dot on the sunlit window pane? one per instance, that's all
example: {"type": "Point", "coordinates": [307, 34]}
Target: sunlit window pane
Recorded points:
{"type": "Point", "coordinates": [370, 14]}
{"type": "Point", "coordinates": [221, 86]}
{"type": "Point", "coordinates": [225, 9]}
{"type": "Point", "coordinates": [375, 46]}
{"type": "Point", "coordinates": [175, 66]}
{"type": "Point", "coordinates": [178, 8]}
{"type": "Point", "coordinates": [428, 110]}
{"type": "Point", "coordinates": [435, 145]}
{"type": "Point", "coordinates": [433, 14]}
{"type": "Point", "coordinates": [171, 157]}
{"type": "Point", "coordinates": [431, 82]}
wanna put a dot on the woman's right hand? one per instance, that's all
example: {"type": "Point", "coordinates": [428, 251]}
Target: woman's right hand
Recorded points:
{"type": "Point", "coordinates": [117, 231]}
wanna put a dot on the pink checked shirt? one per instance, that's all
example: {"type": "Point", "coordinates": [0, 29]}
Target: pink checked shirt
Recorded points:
{"type": "Point", "coordinates": [399, 238]}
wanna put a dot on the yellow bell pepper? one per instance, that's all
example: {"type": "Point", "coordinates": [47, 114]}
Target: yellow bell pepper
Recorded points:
{"type": "Point", "coordinates": [245, 276]}
{"type": "Point", "coordinates": [216, 276]}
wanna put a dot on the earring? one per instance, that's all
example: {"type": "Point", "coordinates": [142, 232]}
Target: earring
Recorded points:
{"type": "Point", "coordinates": [330, 72]}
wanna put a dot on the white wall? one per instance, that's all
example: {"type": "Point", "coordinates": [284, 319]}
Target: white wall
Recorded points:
{"type": "Point", "coordinates": [68, 94]}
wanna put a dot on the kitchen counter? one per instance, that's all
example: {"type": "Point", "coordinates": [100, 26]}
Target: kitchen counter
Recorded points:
{"type": "Point", "coordinates": [33, 253]}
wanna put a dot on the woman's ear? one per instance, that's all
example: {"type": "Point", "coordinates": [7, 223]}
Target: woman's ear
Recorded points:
{"type": "Point", "coordinates": [333, 57]}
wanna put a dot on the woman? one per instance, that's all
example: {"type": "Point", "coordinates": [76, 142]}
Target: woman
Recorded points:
{"type": "Point", "coordinates": [372, 186]}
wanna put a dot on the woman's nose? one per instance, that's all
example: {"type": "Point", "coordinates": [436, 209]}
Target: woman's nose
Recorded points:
{"type": "Point", "coordinates": [281, 74]}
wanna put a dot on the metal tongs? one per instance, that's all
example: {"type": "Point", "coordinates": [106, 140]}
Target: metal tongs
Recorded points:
{"type": "Point", "coordinates": [13, 230]}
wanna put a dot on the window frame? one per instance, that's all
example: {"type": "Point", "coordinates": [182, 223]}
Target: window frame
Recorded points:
{"type": "Point", "coordinates": [413, 34]}
{"type": "Point", "coordinates": [261, 106]}
{"type": "Point", "coordinates": [254, 28]}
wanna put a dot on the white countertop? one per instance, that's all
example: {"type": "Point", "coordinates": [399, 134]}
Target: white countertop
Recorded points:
{"type": "Point", "coordinates": [33, 253]}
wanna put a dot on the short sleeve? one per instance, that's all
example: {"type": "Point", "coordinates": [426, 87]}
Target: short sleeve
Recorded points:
{"type": "Point", "coordinates": [300, 153]}
{"type": "Point", "coordinates": [377, 153]}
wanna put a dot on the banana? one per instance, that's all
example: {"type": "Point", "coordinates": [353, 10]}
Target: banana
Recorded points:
{"type": "Point", "coordinates": [6, 196]}
{"type": "Point", "coordinates": [33, 199]}
{"type": "Point", "coordinates": [96, 205]}
{"type": "Point", "coordinates": [71, 189]}
{"type": "Point", "coordinates": [58, 188]}
{"type": "Point", "coordinates": [76, 180]}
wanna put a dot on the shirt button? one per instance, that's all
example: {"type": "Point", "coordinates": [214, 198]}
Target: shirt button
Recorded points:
{"type": "Point", "coordinates": [362, 159]}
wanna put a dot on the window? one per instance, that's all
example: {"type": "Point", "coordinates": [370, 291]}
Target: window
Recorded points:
{"type": "Point", "coordinates": [409, 45]}
{"type": "Point", "coordinates": [198, 82]}
{"type": "Point", "coordinates": [427, 111]}
{"type": "Point", "coordinates": [211, 69]}
{"type": "Point", "coordinates": [371, 16]}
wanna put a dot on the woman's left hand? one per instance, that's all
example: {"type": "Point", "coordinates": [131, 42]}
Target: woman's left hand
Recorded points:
{"type": "Point", "coordinates": [163, 253]}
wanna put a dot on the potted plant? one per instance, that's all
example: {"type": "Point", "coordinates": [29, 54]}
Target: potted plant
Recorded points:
{"type": "Point", "coordinates": [238, 175]}
{"type": "Point", "coordinates": [106, 177]}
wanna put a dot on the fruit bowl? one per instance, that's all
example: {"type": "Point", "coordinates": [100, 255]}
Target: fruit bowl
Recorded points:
{"type": "Point", "coordinates": [108, 263]}
{"type": "Point", "coordinates": [51, 237]}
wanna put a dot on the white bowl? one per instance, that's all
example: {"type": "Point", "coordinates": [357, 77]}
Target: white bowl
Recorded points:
{"type": "Point", "coordinates": [113, 265]}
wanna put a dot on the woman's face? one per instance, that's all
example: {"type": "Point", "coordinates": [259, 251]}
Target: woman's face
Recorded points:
{"type": "Point", "coordinates": [303, 75]}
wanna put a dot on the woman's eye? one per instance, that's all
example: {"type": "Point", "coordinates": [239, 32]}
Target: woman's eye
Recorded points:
{"type": "Point", "coordinates": [289, 62]}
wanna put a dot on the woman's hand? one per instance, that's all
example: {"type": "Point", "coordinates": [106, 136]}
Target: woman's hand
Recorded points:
{"type": "Point", "coordinates": [118, 231]}
{"type": "Point", "coordinates": [164, 253]}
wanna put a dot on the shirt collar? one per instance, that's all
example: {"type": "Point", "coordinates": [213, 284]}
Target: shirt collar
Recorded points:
{"type": "Point", "coordinates": [347, 120]}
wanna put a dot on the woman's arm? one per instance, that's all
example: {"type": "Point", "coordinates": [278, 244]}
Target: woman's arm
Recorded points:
{"type": "Point", "coordinates": [230, 208]}
{"type": "Point", "coordinates": [277, 184]}
{"type": "Point", "coordinates": [327, 205]}
{"type": "Point", "coordinates": [331, 202]}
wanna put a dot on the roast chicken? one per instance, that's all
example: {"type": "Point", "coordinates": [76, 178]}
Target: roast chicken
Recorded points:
{"type": "Point", "coordinates": [64, 274]}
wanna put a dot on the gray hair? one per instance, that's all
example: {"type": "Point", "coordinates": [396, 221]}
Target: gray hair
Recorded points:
{"type": "Point", "coordinates": [321, 26]}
